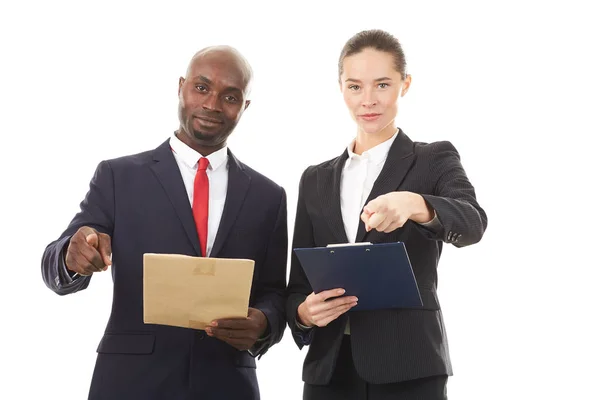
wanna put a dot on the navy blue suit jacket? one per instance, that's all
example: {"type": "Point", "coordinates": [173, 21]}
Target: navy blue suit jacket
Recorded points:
{"type": "Point", "coordinates": [141, 202]}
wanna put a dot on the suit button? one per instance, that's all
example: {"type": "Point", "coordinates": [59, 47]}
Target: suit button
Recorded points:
{"type": "Point", "coordinates": [201, 335]}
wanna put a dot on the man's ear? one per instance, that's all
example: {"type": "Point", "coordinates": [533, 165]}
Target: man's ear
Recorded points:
{"type": "Point", "coordinates": [246, 105]}
{"type": "Point", "coordinates": [181, 82]}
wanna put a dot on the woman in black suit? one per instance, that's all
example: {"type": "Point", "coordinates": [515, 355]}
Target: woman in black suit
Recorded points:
{"type": "Point", "coordinates": [383, 188]}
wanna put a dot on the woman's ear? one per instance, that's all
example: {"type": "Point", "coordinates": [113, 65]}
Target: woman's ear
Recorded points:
{"type": "Point", "coordinates": [406, 85]}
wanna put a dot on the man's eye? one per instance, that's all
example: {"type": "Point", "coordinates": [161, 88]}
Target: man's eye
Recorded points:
{"type": "Point", "coordinates": [231, 99]}
{"type": "Point", "coordinates": [201, 88]}
{"type": "Point", "coordinates": [353, 87]}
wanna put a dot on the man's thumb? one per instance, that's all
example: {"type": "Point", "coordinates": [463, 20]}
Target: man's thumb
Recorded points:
{"type": "Point", "coordinates": [104, 248]}
{"type": "Point", "coordinates": [92, 239]}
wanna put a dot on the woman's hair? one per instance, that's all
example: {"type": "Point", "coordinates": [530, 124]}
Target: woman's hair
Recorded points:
{"type": "Point", "coordinates": [378, 40]}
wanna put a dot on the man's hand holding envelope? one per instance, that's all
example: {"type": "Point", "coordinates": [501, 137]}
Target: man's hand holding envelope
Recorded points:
{"type": "Point", "coordinates": [211, 294]}
{"type": "Point", "coordinates": [241, 333]}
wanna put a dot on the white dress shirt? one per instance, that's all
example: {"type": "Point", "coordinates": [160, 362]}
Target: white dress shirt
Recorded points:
{"type": "Point", "coordinates": [217, 172]}
{"type": "Point", "coordinates": [358, 177]}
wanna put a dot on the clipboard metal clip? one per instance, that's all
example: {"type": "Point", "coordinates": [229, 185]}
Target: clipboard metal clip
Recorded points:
{"type": "Point", "coordinates": [349, 244]}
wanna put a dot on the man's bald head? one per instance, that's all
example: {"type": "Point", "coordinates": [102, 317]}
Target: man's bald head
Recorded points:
{"type": "Point", "coordinates": [212, 97]}
{"type": "Point", "coordinates": [226, 54]}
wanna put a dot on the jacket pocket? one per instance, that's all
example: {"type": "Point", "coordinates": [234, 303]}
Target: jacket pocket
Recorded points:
{"type": "Point", "coordinates": [126, 343]}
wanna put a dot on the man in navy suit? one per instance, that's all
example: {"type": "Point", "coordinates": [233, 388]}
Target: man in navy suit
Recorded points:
{"type": "Point", "coordinates": [188, 196]}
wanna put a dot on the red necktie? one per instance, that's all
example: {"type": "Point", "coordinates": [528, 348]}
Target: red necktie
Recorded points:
{"type": "Point", "coordinates": [200, 203]}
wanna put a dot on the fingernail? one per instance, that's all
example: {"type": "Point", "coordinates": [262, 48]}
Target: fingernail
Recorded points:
{"type": "Point", "coordinates": [341, 291]}
{"type": "Point", "coordinates": [209, 331]}
{"type": "Point", "coordinates": [214, 323]}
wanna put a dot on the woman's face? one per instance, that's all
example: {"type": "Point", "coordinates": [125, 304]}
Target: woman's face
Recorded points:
{"type": "Point", "coordinates": [371, 85]}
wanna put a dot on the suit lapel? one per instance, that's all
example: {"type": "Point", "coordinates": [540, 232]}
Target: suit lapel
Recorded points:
{"type": "Point", "coordinates": [166, 170]}
{"type": "Point", "coordinates": [397, 164]}
{"type": "Point", "coordinates": [328, 187]}
{"type": "Point", "coordinates": [237, 187]}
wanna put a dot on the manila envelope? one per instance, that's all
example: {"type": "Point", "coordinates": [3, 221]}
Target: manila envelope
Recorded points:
{"type": "Point", "coordinates": [191, 292]}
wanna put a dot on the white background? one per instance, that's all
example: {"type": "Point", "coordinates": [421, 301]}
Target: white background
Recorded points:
{"type": "Point", "coordinates": [514, 86]}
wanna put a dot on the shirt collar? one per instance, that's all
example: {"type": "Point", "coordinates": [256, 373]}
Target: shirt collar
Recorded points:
{"type": "Point", "coordinates": [190, 156]}
{"type": "Point", "coordinates": [376, 154]}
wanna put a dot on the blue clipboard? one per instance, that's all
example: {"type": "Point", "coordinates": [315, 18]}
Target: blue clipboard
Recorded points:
{"type": "Point", "coordinates": [380, 275]}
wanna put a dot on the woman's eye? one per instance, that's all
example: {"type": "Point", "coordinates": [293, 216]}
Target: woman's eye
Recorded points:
{"type": "Point", "coordinates": [353, 87]}
{"type": "Point", "coordinates": [383, 85]}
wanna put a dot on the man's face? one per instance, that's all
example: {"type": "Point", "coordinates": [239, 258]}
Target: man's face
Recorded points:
{"type": "Point", "coordinates": [212, 98]}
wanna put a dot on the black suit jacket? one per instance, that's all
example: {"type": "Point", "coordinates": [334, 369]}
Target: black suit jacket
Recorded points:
{"type": "Point", "coordinates": [387, 345]}
{"type": "Point", "coordinates": [141, 202]}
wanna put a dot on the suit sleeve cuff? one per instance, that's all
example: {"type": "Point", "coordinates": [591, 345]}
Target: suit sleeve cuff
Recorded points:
{"type": "Point", "coordinates": [303, 327]}
{"type": "Point", "coordinates": [433, 229]}
{"type": "Point", "coordinates": [65, 276]}
{"type": "Point", "coordinates": [434, 224]}
{"type": "Point", "coordinates": [263, 343]}
{"type": "Point", "coordinates": [304, 334]}
{"type": "Point", "coordinates": [260, 345]}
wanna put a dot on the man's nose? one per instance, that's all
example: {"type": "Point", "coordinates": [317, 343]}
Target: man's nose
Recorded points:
{"type": "Point", "coordinates": [212, 103]}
